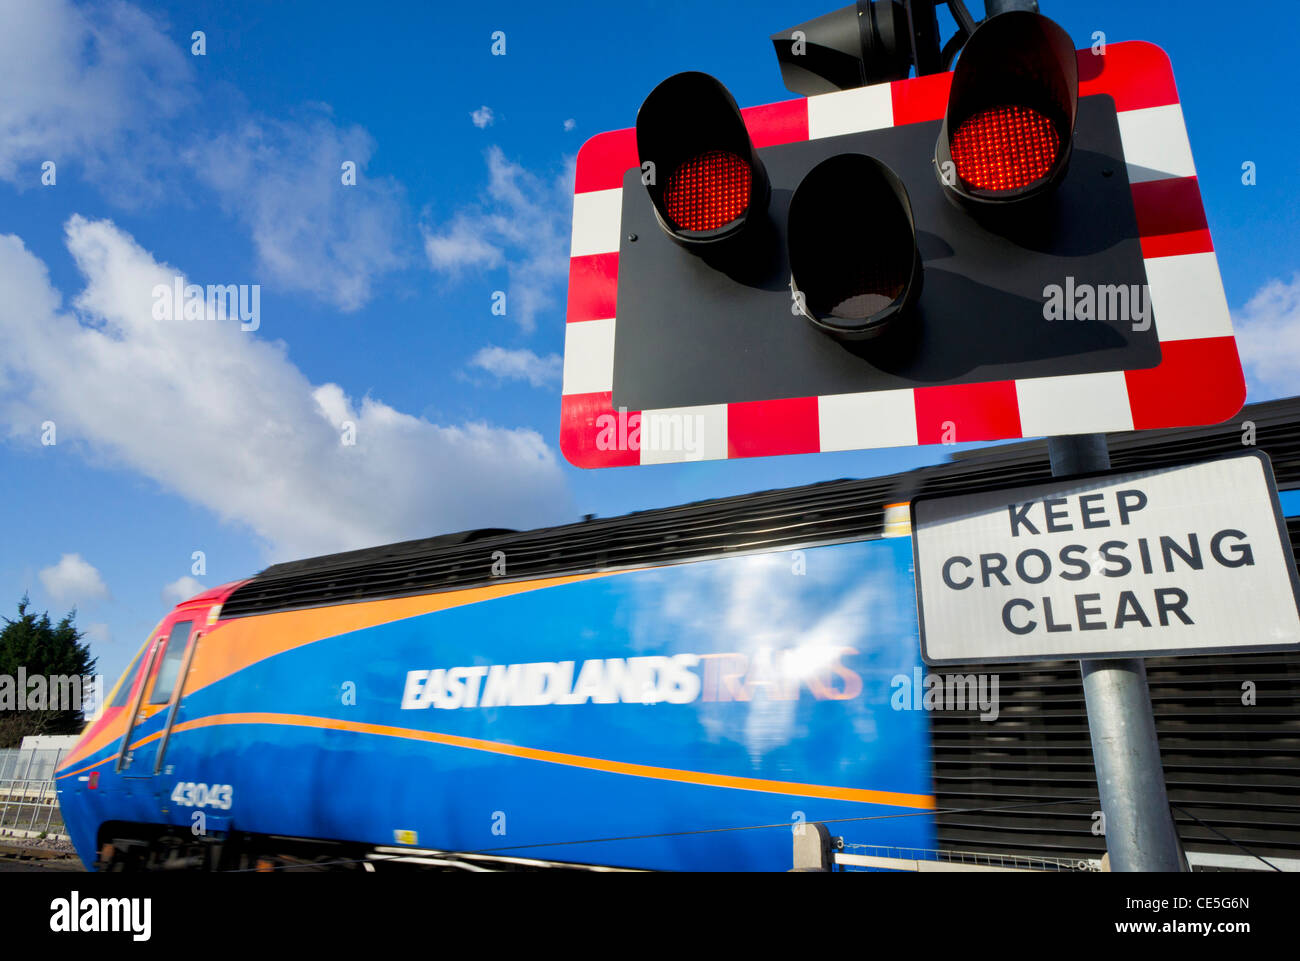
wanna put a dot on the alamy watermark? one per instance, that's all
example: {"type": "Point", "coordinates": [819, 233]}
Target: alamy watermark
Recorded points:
{"type": "Point", "coordinates": [1130, 303]}
{"type": "Point", "coordinates": [75, 914]}
{"type": "Point", "coordinates": [651, 431]}
{"type": "Point", "coordinates": [54, 692]}
{"type": "Point", "coordinates": [946, 692]}
{"type": "Point", "coordinates": [181, 301]}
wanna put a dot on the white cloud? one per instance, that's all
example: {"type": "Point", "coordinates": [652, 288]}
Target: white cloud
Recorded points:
{"type": "Point", "coordinates": [1268, 336]}
{"type": "Point", "coordinates": [223, 418]}
{"type": "Point", "coordinates": [482, 117]}
{"type": "Point", "coordinates": [99, 633]}
{"type": "Point", "coordinates": [523, 222]}
{"type": "Point", "coordinates": [73, 581]}
{"type": "Point", "coordinates": [108, 94]}
{"type": "Point", "coordinates": [569, 124]}
{"type": "Point", "coordinates": [519, 365]}
{"type": "Point", "coordinates": [89, 88]}
{"type": "Point", "coordinates": [312, 233]}
{"type": "Point", "coordinates": [181, 589]}
{"type": "Point", "coordinates": [461, 245]}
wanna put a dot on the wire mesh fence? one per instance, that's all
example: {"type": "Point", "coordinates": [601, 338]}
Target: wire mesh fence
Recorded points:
{"type": "Point", "coordinates": [28, 798]}
{"type": "Point", "coordinates": [955, 859]}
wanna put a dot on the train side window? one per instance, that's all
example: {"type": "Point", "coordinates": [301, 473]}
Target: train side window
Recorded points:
{"type": "Point", "coordinates": [171, 663]}
{"type": "Point", "coordinates": [125, 685]}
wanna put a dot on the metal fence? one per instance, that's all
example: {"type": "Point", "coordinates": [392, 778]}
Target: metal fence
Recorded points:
{"type": "Point", "coordinates": [28, 800]}
{"type": "Point", "coordinates": [872, 857]}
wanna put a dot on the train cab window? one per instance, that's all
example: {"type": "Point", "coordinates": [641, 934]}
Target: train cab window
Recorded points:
{"type": "Point", "coordinates": [127, 682]}
{"type": "Point", "coordinates": [171, 663]}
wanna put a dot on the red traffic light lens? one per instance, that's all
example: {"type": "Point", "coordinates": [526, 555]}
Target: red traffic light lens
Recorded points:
{"type": "Point", "coordinates": [1005, 148]}
{"type": "Point", "coordinates": [708, 185]}
{"type": "Point", "coordinates": [708, 191]}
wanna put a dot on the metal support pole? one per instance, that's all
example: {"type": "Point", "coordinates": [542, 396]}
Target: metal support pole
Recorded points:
{"type": "Point", "coordinates": [1140, 832]}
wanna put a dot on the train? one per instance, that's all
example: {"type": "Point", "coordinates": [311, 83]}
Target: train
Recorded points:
{"type": "Point", "coordinates": [675, 689]}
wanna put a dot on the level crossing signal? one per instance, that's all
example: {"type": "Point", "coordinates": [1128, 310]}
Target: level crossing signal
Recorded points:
{"type": "Point", "coordinates": [1002, 250]}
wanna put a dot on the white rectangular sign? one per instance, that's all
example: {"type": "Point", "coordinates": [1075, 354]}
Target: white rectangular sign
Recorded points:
{"type": "Point", "coordinates": [1182, 560]}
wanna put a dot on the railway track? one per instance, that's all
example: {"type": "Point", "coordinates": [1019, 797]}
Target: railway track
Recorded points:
{"type": "Point", "coordinates": [30, 852]}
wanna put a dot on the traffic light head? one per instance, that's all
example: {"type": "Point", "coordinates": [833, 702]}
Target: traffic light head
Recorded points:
{"type": "Point", "coordinates": [856, 45]}
{"type": "Point", "coordinates": [851, 239]}
{"type": "Point", "coordinates": [698, 165]}
{"type": "Point", "coordinates": [1008, 131]}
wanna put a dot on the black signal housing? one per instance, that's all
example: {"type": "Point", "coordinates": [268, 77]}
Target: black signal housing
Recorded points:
{"type": "Point", "coordinates": [855, 270]}
{"type": "Point", "coordinates": [698, 164]}
{"type": "Point", "coordinates": [867, 42]}
{"type": "Point", "coordinates": [1008, 131]}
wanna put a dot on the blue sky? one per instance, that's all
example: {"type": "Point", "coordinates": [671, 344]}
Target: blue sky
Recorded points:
{"type": "Point", "coordinates": [376, 299]}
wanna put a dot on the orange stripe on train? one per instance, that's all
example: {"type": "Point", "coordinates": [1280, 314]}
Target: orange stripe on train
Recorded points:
{"type": "Point", "coordinates": [793, 788]}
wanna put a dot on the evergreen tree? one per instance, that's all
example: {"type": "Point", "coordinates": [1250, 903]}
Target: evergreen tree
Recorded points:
{"type": "Point", "coordinates": [41, 649]}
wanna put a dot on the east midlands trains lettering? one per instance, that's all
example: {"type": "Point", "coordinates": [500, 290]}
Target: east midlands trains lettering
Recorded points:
{"type": "Point", "coordinates": [777, 675]}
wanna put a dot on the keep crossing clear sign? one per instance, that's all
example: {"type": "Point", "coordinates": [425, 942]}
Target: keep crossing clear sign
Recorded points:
{"type": "Point", "coordinates": [1182, 560]}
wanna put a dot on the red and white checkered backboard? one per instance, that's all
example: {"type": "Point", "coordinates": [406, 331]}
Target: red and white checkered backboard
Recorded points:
{"type": "Point", "coordinates": [1198, 381]}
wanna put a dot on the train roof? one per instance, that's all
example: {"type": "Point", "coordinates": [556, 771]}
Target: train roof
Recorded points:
{"type": "Point", "coordinates": [826, 512]}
